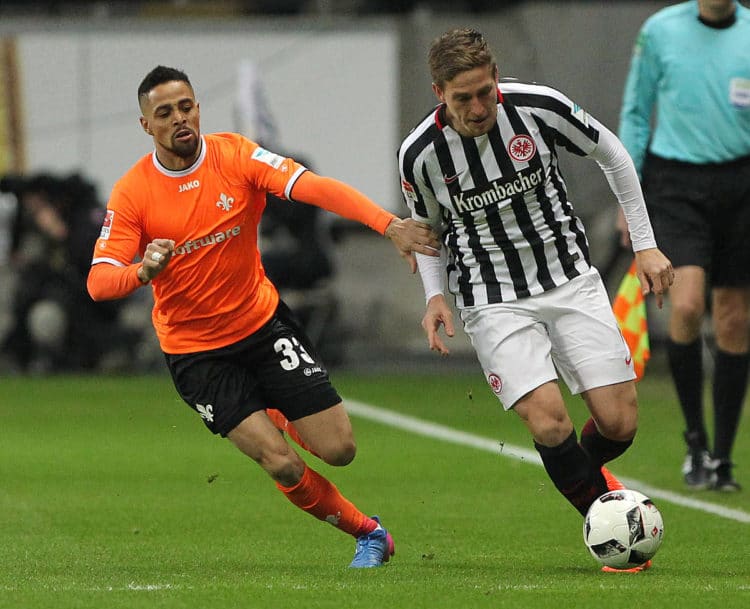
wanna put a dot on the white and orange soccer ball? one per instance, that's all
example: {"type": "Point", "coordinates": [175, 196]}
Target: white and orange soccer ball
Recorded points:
{"type": "Point", "coordinates": [623, 529]}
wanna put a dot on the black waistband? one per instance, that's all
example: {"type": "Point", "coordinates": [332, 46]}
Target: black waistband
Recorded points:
{"type": "Point", "coordinates": [658, 161]}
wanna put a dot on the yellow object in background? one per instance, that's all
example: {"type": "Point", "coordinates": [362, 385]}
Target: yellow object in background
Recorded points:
{"type": "Point", "coordinates": [630, 311]}
{"type": "Point", "coordinates": [11, 132]}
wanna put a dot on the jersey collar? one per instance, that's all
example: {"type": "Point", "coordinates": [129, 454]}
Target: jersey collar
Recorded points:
{"type": "Point", "coordinates": [182, 172]}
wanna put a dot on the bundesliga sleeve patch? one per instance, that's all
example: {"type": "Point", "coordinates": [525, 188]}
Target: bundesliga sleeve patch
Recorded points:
{"type": "Point", "coordinates": [107, 224]}
{"type": "Point", "coordinates": [580, 114]}
{"type": "Point", "coordinates": [267, 157]}
{"type": "Point", "coordinates": [408, 190]}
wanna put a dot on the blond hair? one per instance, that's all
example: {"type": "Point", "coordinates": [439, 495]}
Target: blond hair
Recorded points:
{"type": "Point", "coordinates": [457, 51]}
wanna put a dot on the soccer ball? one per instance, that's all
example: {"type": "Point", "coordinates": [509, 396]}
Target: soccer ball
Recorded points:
{"type": "Point", "coordinates": [623, 529]}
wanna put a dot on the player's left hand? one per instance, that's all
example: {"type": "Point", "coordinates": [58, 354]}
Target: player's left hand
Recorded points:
{"type": "Point", "coordinates": [438, 314]}
{"type": "Point", "coordinates": [409, 236]}
{"type": "Point", "coordinates": [655, 273]}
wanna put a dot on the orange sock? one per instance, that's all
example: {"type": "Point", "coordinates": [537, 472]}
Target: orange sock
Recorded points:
{"type": "Point", "coordinates": [281, 423]}
{"type": "Point", "coordinates": [320, 497]}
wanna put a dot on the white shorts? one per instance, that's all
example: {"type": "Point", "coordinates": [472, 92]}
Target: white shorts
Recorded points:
{"type": "Point", "coordinates": [570, 330]}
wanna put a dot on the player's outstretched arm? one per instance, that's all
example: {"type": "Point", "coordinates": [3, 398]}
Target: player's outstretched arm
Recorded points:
{"type": "Point", "coordinates": [407, 235]}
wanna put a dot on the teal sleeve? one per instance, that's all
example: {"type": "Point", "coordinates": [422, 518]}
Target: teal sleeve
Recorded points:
{"type": "Point", "coordinates": [639, 97]}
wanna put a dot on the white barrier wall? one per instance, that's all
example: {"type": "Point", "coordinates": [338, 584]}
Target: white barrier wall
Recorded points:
{"type": "Point", "coordinates": [333, 94]}
{"type": "Point", "coordinates": [344, 93]}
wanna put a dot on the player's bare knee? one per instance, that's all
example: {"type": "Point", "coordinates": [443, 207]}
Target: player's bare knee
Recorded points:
{"type": "Point", "coordinates": [553, 436]}
{"type": "Point", "coordinates": [621, 428]}
{"type": "Point", "coordinates": [552, 428]}
{"type": "Point", "coordinates": [341, 454]}
{"type": "Point", "coordinates": [550, 431]}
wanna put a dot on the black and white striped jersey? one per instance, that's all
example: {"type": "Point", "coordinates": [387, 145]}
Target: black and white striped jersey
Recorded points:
{"type": "Point", "coordinates": [499, 200]}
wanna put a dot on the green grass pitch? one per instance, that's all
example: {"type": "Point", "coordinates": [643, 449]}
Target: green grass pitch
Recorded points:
{"type": "Point", "coordinates": [113, 495]}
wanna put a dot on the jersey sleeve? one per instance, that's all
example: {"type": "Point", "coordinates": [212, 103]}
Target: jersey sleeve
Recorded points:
{"type": "Point", "coordinates": [341, 199]}
{"type": "Point", "coordinates": [113, 274]}
{"type": "Point", "coordinates": [267, 171]}
{"type": "Point", "coordinates": [577, 131]}
{"type": "Point", "coordinates": [424, 207]}
{"type": "Point", "coordinates": [639, 98]}
{"type": "Point", "coordinates": [622, 178]}
{"type": "Point", "coordinates": [560, 119]}
{"type": "Point", "coordinates": [120, 238]}
{"type": "Point", "coordinates": [417, 192]}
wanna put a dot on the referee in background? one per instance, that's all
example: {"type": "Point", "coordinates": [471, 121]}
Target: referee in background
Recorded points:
{"type": "Point", "coordinates": [691, 66]}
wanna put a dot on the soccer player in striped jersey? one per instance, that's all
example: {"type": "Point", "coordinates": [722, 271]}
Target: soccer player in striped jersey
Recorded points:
{"type": "Point", "coordinates": [482, 170]}
{"type": "Point", "coordinates": [188, 215]}
{"type": "Point", "coordinates": [690, 73]}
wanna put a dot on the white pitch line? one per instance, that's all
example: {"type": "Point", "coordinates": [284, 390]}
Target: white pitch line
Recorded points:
{"type": "Point", "coordinates": [454, 436]}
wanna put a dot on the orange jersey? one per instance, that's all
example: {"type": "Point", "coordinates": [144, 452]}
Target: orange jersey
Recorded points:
{"type": "Point", "coordinates": [214, 290]}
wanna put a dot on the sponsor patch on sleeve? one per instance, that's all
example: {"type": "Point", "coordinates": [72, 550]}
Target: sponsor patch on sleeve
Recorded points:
{"type": "Point", "coordinates": [581, 114]}
{"type": "Point", "coordinates": [267, 157]}
{"type": "Point", "coordinates": [107, 224]}
{"type": "Point", "coordinates": [409, 192]}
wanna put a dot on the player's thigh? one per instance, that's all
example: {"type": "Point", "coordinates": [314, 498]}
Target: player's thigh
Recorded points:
{"type": "Point", "coordinates": [258, 438]}
{"type": "Point", "coordinates": [329, 434]}
{"type": "Point", "coordinates": [587, 346]}
{"type": "Point", "coordinates": [513, 348]}
{"type": "Point", "coordinates": [290, 372]}
{"type": "Point", "coordinates": [217, 385]}
{"type": "Point", "coordinates": [544, 413]}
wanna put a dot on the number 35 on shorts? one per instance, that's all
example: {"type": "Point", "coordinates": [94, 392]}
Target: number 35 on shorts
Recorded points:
{"type": "Point", "coordinates": [291, 352]}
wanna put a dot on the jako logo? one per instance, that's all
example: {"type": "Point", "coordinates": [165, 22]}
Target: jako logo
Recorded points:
{"type": "Point", "coordinates": [189, 185]}
{"type": "Point", "coordinates": [193, 244]}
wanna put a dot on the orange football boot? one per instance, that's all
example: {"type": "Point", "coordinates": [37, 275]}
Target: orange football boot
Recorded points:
{"type": "Point", "coordinates": [637, 569]}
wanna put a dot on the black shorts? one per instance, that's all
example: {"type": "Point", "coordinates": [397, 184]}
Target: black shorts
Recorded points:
{"type": "Point", "coordinates": [275, 367]}
{"type": "Point", "coordinates": [701, 216]}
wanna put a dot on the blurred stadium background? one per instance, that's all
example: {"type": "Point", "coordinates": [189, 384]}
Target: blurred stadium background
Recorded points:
{"type": "Point", "coordinates": [342, 83]}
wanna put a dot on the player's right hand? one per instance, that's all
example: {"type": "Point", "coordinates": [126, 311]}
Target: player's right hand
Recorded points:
{"type": "Point", "coordinates": [409, 236]}
{"type": "Point", "coordinates": [155, 259]}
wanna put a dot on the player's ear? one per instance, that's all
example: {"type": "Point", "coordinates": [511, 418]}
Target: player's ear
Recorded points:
{"type": "Point", "coordinates": [144, 124]}
{"type": "Point", "coordinates": [438, 92]}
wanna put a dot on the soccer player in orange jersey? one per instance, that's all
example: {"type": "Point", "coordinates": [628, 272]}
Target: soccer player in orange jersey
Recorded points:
{"type": "Point", "coordinates": [188, 215]}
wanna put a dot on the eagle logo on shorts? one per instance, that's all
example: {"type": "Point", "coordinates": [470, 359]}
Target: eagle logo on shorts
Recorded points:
{"type": "Point", "coordinates": [496, 383]}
